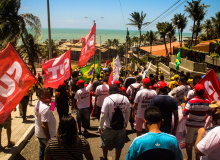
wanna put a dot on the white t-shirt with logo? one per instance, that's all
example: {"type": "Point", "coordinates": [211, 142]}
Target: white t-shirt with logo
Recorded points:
{"type": "Point", "coordinates": [83, 96]}
{"type": "Point", "coordinates": [135, 85]}
{"type": "Point", "coordinates": [143, 98]}
{"type": "Point", "coordinates": [102, 91]}
{"type": "Point", "coordinates": [109, 106]}
{"type": "Point", "coordinates": [210, 145]}
{"type": "Point", "coordinates": [44, 114]}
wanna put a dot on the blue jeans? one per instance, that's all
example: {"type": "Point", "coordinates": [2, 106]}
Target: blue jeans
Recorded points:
{"type": "Point", "coordinates": [42, 143]}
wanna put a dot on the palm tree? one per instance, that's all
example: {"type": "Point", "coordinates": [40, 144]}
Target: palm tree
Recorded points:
{"type": "Point", "coordinates": [115, 43]}
{"type": "Point", "coordinates": [13, 25]}
{"type": "Point", "coordinates": [121, 49]}
{"type": "Point", "coordinates": [195, 9]}
{"type": "Point", "coordinates": [216, 23]}
{"type": "Point", "coordinates": [109, 43]}
{"type": "Point", "coordinates": [55, 51]}
{"type": "Point", "coordinates": [151, 36]}
{"type": "Point", "coordinates": [33, 48]}
{"type": "Point", "coordinates": [170, 32]}
{"type": "Point", "coordinates": [208, 28]}
{"type": "Point", "coordinates": [137, 20]}
{"type": "Point", "coordinates": [162, 28]}
{"type": "Point", "coordinates": [183, 24]}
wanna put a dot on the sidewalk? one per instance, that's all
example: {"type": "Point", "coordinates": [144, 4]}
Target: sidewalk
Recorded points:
{"type": "Point", "coordinates": [21, 132]}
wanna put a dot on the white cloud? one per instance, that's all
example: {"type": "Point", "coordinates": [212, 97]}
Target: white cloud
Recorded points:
{"type": "Point", "coordinates": [26, 7]}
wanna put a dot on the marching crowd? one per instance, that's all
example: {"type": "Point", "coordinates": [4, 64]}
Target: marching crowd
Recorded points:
{"type": "Point", "coordinates": [165, 110]}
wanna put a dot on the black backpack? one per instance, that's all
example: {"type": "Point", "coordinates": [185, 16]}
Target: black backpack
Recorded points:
{"type": "Point", "coordinates": [134, 92]}
{"type": "Point", "coordinates": [117, 122]}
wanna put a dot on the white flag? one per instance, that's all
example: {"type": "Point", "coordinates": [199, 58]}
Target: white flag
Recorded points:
{"type": "Point", "coordinates": [145, 72]}
{"type": "Point", "coordinates": [116, 69]}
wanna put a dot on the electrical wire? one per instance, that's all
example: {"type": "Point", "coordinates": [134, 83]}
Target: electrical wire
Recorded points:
{"type": "Point", "coordinates": [122, 13]}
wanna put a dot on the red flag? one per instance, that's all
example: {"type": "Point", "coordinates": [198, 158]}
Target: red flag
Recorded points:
{"type": "Point", "coordinates": [88, 47]}
{"type": "Point", "coordinates": [110, 80]}
{"type": "Point", "coordinates": [57, 70]}
{"type": "Point", "coordinates": [212, 86]}
{"type": "Point", "coordinates": [15, 81]}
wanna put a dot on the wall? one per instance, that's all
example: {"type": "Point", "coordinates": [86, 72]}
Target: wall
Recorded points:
{"type": "Point", "coordinates": [213, 61]}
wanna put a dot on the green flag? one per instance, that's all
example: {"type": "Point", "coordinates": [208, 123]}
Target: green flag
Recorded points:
{"type": "Point", "coordinates": [178, 61]}
{"type": "Point", "coordinates": [86, 72]}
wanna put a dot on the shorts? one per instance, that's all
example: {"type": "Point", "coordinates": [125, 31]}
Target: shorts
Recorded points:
{"type": "Point", "coordinates": [113, 138]}
{"type": "Point", "coordinates": [83, 114]}
{"type": "Point", "coordinates": [138, 124]}
{"type": "Point", "coordinates": [6, 123]}
{"type": "Point", "coordinates": [190, 131]}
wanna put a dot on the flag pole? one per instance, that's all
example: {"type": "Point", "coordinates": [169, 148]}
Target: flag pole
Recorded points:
{"type": "Point", "coordinates": [95, 43]}
{"type": "Point", "coordinates": [49, 31]}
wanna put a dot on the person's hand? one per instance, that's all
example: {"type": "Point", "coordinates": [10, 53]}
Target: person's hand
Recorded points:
{"type": "Point", "coordinates": [173, 132]}
{"type": "Point", "coordinates": [133, 115]}
{"type": "Point", "coordinates": [201, 131]}
{"type": "Point", "coordinates": [101, 130]}
{"type": "Point", "coordinates": [213, 102]}
{"type": "Point", "coordinates": [93, 72]}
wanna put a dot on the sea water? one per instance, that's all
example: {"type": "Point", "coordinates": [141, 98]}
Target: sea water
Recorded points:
{"type": "Point", "coordinates": [72, 33]}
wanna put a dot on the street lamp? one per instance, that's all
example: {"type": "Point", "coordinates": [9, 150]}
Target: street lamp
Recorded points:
{"type": "Point", "coordinates": [95, 36]}
{"type": "Point", "coordinates": [49, 31]}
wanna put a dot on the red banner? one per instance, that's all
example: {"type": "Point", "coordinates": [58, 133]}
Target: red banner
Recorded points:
{"type": "Point", "coordinates": [57, 70]}
{"type": "Point", "coordinates": [110, 80]}
{"type": "Point", "coordinates": [212, 86]}
{"type": "Point", "coordinates": [15, 81]}
{"type": "Point", "coordinates": [88, 47]}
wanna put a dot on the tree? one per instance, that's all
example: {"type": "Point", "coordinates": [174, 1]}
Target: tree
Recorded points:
{"type": "Point", "coordinates": [180, 21]}
{"type": "Point", "coordinates": [151, 36]}
{"type": "Point", "coordinates": [109, 43]}
{"type": "Point", "coordinates": [33, 48]}
{"type": "Point", "coordinates": [162, 28]}
{"type": "Point", "coordinates": [13, 25]}
{"type": "Point", "coordinates": [55, 50]}
{"type": "Point", "coordinates": [115, 43]}
{"type": "Point", "coordinates": [216, 23]}
{"type": "Point", "coordinates": [121, 49]}
{"type": "Point", "coordinates": [207, 27]}
{"type": "Point", "coordinates": [170, 32]}
{"type": "Point", "coordinates": [195, 9]}
{"type": "Point", "coordinates": [137, 20]}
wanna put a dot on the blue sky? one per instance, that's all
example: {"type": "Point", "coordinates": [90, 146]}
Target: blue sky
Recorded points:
{"type": "Point", "coordinates": [71, 13]}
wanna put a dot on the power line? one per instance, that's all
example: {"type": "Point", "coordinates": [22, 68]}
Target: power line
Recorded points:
{"type": "Point", "coordinates": [151, 25]}
{"type": "Point", "coordinates": [122, 12]}
{"type": "Point", "coordinates": [160, 15]}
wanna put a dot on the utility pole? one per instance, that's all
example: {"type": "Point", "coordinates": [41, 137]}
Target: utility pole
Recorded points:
{"type": "Point", "coordinates": [49, 31]}
{"type": "Point", "coordinates": [100, 60]}
{"type": "Point", "coordinates": [126, 49]}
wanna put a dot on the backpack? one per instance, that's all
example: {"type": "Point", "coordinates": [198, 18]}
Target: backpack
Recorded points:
{"type": "Point", "coordinates": [117, 122]}
{"type": "Point", "coordinates": [134, 92]}
{"type": "Point", "coordinates": [74, 87]}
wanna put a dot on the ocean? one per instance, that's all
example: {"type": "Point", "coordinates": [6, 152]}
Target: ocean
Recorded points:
{"type": "Point", "coordinates": [72, 33]}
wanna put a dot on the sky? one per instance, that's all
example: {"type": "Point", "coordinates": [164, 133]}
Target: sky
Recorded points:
{"type": "Point", "coordinates": [71, 13]}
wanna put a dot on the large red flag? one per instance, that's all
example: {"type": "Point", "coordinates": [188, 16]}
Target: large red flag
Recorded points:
{"type": "Point", "coordinates": [212, 86]}
{"type": "Point", "coordinates": [88, 47]}
{"type": "Point", "coordinates": [110, 80]}
{"type": "Point", "coordinates": [15, 81]}
{"type": "Point", "coordinates": [57, 70]}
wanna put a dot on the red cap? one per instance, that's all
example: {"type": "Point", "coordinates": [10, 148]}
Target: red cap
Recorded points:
{"type": "Point", "coordinates": [146, 80]}
{"type": "Point", "coordinates": [85, 85]}
{"type": "Point", "coordinates": [117, 82]}
{"type": "Point", "coordinates": [123, 89]}
{"type": "Point", "coordinates": [199, 88]}
{"type": "Point", "coordinates": [80, 82]}
{"type": "Point", "coordinates": [161, 85]}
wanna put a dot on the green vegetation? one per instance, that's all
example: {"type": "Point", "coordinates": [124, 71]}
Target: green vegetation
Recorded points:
{"type": "Point", "coordinates": [151, 36]}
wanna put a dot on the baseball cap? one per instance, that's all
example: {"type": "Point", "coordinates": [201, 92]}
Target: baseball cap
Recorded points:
{"type": "Point", "coordinates": [117, 82]}
{"type": "Point", "coordinates": [199, 88]}
{"type": "Point", "coordinates": [161, 85]}
{"type": "Point", "coordinates": [113, 89]}
{"type": "Point", "coordinates": [85, 85]}
{"type": "Point", "coordinates": [216, 105]}
{"type": "Point", "coordinates": [80, 82]}
{"type": "Point", "coordinates": [146, 80]}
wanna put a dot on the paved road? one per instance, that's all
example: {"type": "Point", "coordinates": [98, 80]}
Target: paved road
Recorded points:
{"type": "Point", "coordinates": [30, 152]}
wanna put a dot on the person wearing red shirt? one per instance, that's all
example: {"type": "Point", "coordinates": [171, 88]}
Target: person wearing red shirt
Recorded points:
{"type": "Point", "coordinates": [123, 89]}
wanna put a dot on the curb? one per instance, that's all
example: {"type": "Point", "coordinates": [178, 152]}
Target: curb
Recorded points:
{"type": "Point", "coordinates": [20, 144]}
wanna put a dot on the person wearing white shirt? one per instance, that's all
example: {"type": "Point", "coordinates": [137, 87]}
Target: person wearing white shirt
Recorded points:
{"type": "Point", "coordinates": [101, 92]}
{"type": "Point", "coordinates": [83, 108]}
{"type": "Point", "coordinates": [45, 122]}
{"type": "Point", "coordinates": [112, 138]}
{"type": "Point", "coordinates": [141, 102]}
{"type": "Point", "coordinates": [208, 144]}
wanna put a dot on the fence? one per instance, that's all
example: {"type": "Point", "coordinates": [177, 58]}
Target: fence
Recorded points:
{"type": "Point", "coordinates": [191, 55]}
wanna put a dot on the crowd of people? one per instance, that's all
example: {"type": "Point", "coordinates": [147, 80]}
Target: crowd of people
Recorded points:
{"type": "Point", "coordinates": [153, 108]}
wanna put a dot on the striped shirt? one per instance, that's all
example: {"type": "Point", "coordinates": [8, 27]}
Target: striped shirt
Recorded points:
{"type": "Point", "coordinates": [57, 151]}
{"type": "Point", "coordinates": [197, 108]}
